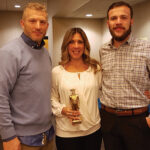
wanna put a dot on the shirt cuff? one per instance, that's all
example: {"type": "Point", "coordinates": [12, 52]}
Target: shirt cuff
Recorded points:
{"type": "Point", "coordinates": [8, 139]}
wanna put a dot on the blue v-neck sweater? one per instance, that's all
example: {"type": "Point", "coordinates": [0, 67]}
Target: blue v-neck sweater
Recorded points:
{"type": "Point", "coordinates": [25, 84]}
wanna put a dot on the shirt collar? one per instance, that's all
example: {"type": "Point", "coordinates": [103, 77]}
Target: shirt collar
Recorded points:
{"type": "Point", "coordinates": [32, 43]}
{"type": "Point", "coordinates": [129, 41]}
{"type": "Point", "coordinates": [131, 38]}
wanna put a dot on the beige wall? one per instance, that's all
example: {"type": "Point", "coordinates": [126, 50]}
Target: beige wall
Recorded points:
{"type": "Point", "coordinates": [92, 28]}
{"type": "Point", "coordinates": [9, 26]}
{"type": "Point", "coordinates": [141, 27]}
{"type": "Point", "coordinates": [95, 29]}
{"type": "Point", "coordinates": [105, 32]}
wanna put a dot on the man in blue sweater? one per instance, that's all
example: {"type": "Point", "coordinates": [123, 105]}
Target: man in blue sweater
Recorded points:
{"type": "Point", "coordinates": [25, 84]}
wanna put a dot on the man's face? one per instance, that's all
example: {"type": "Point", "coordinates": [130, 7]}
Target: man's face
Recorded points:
{"type": "Point", "coordinates": [119, 23]}
{"type": "Point", "coordinates": [35, 24]}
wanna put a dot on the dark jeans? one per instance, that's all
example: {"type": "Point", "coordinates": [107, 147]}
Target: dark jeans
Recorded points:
{"type": "Point", "coordinates": [89, 142]}
{"type": "Point", "coordinates": [125, 132]}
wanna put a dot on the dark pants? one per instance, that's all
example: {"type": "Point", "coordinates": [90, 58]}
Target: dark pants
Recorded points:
{"type": "Point", "coordinates": [125, 132]}
{"type": "Point", "coordinates": [90, 142]}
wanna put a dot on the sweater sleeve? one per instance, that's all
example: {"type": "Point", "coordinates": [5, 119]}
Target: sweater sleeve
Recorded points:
{"type": "Point", "coordinates": [8, 76]}
{"type": "Point", "coordinates": [57, 106]}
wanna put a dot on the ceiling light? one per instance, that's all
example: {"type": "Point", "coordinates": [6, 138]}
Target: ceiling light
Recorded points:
{"type": "Point", "coordinates": [17, 6]}
{"type": "Point", "coordinates": [89, 15]}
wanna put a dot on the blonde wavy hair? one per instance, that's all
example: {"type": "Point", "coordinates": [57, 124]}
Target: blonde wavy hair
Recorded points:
{"type": "Point", "coordinates": [65, 57]}
{"type": "Point", "coordinates": [35, 6]}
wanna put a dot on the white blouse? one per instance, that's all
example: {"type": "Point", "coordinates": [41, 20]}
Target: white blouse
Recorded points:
{"type": "Point", "coordinates": [87, 87]}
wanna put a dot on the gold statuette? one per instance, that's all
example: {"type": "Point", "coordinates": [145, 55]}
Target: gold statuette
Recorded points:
{"type": "Point", "coordinates": [74, 100]}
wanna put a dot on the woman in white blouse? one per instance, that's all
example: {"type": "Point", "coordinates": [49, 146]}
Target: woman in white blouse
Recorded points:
{"type": "Point", "coordinates": [76, 79]}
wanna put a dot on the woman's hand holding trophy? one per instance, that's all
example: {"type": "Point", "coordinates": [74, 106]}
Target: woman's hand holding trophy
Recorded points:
{"type": "Point", "coordinates": [73, 112]}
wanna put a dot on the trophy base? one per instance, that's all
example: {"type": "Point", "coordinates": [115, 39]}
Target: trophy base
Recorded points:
{"type": "Point", "coordinates": [76, 121]}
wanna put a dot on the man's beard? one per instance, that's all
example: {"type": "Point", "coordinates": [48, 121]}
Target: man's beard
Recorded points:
{"type": "Point", "coordinates": [120, 38]}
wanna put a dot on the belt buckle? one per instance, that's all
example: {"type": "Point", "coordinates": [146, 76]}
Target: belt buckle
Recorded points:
{"type": "Point", "coordinates": [119, 110]}
{"type": "Point", "coordinates": [44, 139]}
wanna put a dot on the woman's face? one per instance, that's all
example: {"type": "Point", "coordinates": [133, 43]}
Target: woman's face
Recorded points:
{"type": "Point", "coordinates": [76, 47]}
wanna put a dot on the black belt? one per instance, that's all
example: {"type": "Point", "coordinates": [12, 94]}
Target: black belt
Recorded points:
{"type": "Point", "coordinates": [125, 112]}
